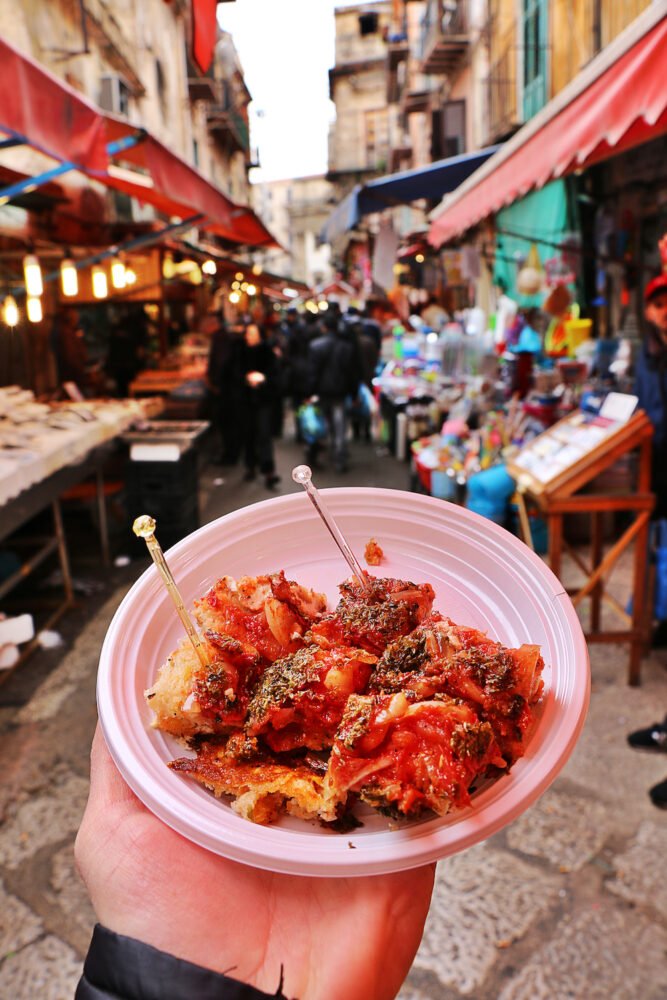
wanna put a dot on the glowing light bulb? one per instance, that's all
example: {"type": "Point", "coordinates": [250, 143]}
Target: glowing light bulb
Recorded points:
{"type": "Point", "coordinates": [239, 275]}
{"type": "Point", "coordinates": [100, 283]}
{"type": "Point", "coordinates": [209, 267]}
{"type": "Point", "coordinates": [10, 311]}
{"type": "Point", "coordinates": [118, 278]}
{"type": "Point", "coordinates": [32, 273]}
{"type": "Point", "coordinates": [69, 278]}
{"type": "Point", "coordinates": [251, 290]}
{"type": "Point", "coordinates": [419, 258]}
{"type": "Point", "coordinates": [234, 297]}
{"type": "Point", "coordinates": [130, 276]}
{"type": "Point", "coordinates": [33, 308]}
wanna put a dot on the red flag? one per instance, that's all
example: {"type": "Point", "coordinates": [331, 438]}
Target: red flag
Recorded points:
{"type": "Point", "coordinates": [204, 32]}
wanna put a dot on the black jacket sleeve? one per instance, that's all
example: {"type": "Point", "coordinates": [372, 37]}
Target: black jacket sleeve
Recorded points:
{"type": "Point", "coordinates": [121, 968]}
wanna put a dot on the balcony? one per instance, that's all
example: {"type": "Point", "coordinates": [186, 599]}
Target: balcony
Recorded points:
{"type": "Point", "coordinates": [227, 125]}
{"type": "Point", "coordinates": [445, 36]}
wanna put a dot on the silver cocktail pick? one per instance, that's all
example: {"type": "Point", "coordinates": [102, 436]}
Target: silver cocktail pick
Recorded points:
{"type": "Point", "coordinates": [144, 527]}
{"type": "Point", "coordinates": [302, 475]}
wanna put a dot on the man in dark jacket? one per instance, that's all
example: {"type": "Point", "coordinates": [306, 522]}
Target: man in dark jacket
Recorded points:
{"type": "Point", "coordinates": [651, 390]}
{"type": "Point", "coordinates": [334, 374]}
{"type": "Point", "coordinates": [651, 384]}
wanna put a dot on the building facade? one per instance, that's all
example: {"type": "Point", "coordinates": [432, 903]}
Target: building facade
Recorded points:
{"type": "Point", "coordinates": [295, 211]}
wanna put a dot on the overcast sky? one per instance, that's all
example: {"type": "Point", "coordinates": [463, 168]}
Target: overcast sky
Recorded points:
{"type": "Point", "coordinates": [286, 48]}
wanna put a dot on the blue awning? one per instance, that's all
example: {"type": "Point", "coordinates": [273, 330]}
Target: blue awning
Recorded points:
{"type": "Point", "coordinates": [433, 181]}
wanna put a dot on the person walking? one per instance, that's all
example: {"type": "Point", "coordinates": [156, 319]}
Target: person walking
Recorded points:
{"type": "Point", "coordinates": [223, 382]}
{"type": "Point", "coordinates": [334, 376]}
{"type": "Point", "coordinates": [651, 392]}
{"type": "Point", "coordinates": [259, 385]}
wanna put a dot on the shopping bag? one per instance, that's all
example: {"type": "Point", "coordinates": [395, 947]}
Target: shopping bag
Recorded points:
{"type": "Point", "coordinates": [312, 423]}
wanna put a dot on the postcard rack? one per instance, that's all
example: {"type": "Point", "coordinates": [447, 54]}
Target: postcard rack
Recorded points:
{"type": "Point", "coordinates": [551, 471]}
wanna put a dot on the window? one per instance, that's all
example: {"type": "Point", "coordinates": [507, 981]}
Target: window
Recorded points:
{"type": "Point", "coordinates": [376, 125]}
{"type": "Point", "coordinates": [448, 130]}
{"type": "Point", "coordinates": [535, 18]}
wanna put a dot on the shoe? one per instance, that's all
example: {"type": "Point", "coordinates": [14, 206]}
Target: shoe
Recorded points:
{"type": "Point", "coordinates": [658, 795]}
{"type": "Point", "coordinates": [659, 637]}
{"type": "Point", "coordinates": [652, 738]}
{"type": "Point", "coordinates": [272, 480]}
{"type": "Point", "coordinates": [249, 475]}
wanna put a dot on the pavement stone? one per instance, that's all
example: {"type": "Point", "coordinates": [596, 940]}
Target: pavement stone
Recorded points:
{"type": "Point", "coordinates": [45, 819]}
{"type": "Point", "coordinates": [484, 899]}
{"type": "Point", "coordinates": [609, 952]}
{"type": "Point", "coordinates": [18, 924]}
{"type": "Point", "coordinates": [48, 970]}
{"type": "Point", "coordinates": [566, 830]}
{"type": "Point", "coordinates": [640, 870]}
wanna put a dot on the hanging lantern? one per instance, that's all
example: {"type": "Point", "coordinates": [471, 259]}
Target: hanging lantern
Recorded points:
{"type": "Point", "coordinates": [32, 273]}
{"type": "Point", "coordinates": [10, 311]}
{"type": "Point", "coordinates": [33, 308]}
{"type": "Point", "coordinates": [100, 283]}
{"type": "Point", "coordinates": [69, 278]}
{"type": "Point", "coordinates": [118, 276]}
{"type": "Point", "coordinates": [209, 267]}
{"type": "Point", "coordinates": [530, 277]}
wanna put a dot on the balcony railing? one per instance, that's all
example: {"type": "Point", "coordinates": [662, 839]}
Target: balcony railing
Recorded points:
{"type": "Point", "coordinates": [445, 35]}
{"type": "Point", "coordinates": [225, 121]}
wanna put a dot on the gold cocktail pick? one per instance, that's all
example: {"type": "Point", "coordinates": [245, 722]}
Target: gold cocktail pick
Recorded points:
{"type": "Point", "coordinates": [302, 475]}
{"type": "Point", "coordinates": [144, 527]}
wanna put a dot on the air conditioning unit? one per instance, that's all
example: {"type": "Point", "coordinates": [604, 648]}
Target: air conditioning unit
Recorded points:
{"type": "Point", "coordinates": [114, 94]}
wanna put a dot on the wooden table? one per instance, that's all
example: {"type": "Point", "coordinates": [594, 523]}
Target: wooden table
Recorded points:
{"type": "Point", "coordinates": [558, 495]}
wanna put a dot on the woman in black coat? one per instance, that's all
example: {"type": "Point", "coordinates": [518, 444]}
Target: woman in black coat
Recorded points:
{"type": "Point", "coordinates": [259, 386]}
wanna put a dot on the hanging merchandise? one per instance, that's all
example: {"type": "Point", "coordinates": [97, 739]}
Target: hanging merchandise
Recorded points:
{"type": "Point", "coordinates": [557, 301]}
{"type": "Point", "coordinates": [531, 276]}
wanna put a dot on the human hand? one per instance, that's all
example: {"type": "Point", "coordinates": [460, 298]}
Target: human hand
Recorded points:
{"type": "Point", "coordinates": [334, 937]}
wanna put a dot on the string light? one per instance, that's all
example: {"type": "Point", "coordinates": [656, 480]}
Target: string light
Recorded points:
{"type": "Point", "coordinates": [69, 278]}
{"type": "Point", "coordinates": [10, 311]}
{"type": "Point", "coordinates": [100, 282]}
{"type": "Point", "coordinates": [32, 273]}
{"type": "Point", "coordinates": [118, 276]}
{"type": "Point", "coordinates": [33, 308]}
{"type": "Point", "coordinates": [209, 267]}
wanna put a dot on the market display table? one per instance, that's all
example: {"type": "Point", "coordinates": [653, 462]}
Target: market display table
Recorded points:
{"type": "Point", "coordinates": [552, 469]}
{"type": "Point", "coordinates": [45, 450]}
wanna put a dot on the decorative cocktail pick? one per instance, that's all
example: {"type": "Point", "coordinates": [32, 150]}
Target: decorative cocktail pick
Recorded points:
{"type": "Point", "coordinates": [144, 527]}
{"type": "Point", "coordinates": [303, 476]}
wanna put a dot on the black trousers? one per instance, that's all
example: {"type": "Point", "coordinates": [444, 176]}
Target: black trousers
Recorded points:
{"type": "Point", "coordinates": [258, 438]}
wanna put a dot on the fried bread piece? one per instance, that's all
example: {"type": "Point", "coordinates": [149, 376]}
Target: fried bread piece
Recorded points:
{"type": "Point", "coordinates": [188, 698]}
{"type": "Point", "coordinates": [405, 757]}
{"type": "Point", "coordinates": [270, 612]}
{"type": "Point", "coordinates": [300, 699]}
{"type": "Point", "coordinates": [263, 786]}
{"type": "Point", "coordinates": [373, 618]}
{"type": "Point", "coordinates": [441, 657]}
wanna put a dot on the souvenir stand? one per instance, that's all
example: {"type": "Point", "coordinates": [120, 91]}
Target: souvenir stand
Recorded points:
{"type": "Point", "coordinates": [550, 472]}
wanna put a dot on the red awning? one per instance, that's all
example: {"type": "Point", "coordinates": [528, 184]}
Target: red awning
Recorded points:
{"type": "Point", "coordinates": [617, 102]}
{"type": "Point", "coordinates": [54, 118]}
{"type": "Point", "coordinates": [57, 120]}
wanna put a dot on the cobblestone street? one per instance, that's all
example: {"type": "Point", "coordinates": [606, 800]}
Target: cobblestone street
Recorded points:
{"type": "Point", "coordinates": [569, 901]}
